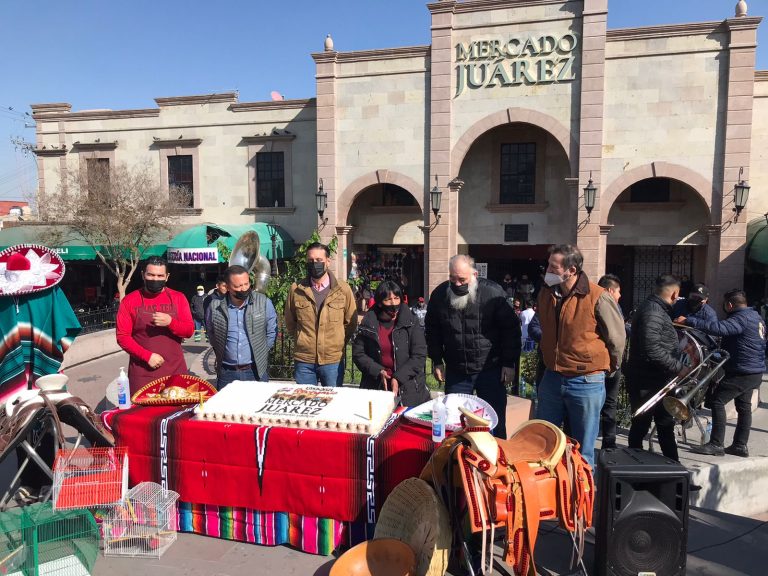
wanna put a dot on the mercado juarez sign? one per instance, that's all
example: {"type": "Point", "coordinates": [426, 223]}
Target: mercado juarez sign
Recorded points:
{"type": "Point", "coordinates": [514, 61]}
{"type": "Point", "coordinates": [193, 255]}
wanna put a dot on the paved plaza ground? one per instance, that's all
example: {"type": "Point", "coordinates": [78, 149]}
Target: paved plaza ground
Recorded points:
{"type": "Point", "coordinates": [719, 544]}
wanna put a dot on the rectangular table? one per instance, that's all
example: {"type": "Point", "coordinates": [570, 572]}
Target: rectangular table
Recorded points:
{"type": "Point", "coordinates": [270, 485]}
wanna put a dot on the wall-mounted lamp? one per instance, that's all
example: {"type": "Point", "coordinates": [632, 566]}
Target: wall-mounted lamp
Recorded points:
{"type": "Point", "coordinates": [272, 228]}
{"type": "Point", "coordinates": [590, 191]}
{"type": "Point", "coordinates": [740, 195]}
{"type": "Point", "coordinates": [322, 202]}
{"type": "Point", "coordinates": [435, 200]}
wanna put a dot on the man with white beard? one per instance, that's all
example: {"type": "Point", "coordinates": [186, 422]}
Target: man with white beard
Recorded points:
{"type": "Point", "coordinates": [473, 337]}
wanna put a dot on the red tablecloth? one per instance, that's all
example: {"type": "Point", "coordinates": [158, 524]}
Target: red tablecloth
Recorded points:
{"type": "Point", "coordinates": [334, 475]}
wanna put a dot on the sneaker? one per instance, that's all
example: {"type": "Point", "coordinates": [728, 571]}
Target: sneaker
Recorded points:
{"type": "Point", "coordinates": [709, 449]}
{"type": "Point", "coordinates": [737, 450]}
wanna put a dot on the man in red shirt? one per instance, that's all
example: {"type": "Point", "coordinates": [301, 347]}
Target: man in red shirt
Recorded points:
{"type": "Point", "coordinates": [151, 324]}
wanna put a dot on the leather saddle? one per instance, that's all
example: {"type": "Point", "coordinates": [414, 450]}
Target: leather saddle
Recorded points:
{"type": "Point", "coordinates": [538, 474]}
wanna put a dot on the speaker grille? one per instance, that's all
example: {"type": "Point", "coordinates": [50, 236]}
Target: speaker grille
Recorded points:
{"type": "Point", "coordinates": [645, 541]}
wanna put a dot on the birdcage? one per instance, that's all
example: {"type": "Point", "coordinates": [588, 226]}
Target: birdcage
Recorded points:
{"type": "Point", "coordinates": [39, 541]}
{"type": "Point", "coordinates": [89, 477]}
{"type": "Point", "coordinates": [144, 524]}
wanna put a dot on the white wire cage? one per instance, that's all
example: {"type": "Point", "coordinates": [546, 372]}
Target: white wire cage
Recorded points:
{"type": "Point", "coordinates": [143, 525]}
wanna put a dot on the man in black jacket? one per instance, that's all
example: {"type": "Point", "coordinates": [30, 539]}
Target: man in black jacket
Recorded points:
{"type": "Point", "coordinates": [654, 359]}
{"type": "Point", "coordinates": [198, 312]}
{"type": "Point", "coordinates": [473, 337]}
{"type": "Point", "coordinates": [743, 334]}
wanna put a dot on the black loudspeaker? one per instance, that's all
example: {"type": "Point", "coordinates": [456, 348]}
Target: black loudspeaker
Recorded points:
{"type": "Point", "coordinates": [642, 514]}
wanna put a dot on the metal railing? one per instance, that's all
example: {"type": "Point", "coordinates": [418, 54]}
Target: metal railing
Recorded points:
{"type": "Point", "coordinates": [97, 319]}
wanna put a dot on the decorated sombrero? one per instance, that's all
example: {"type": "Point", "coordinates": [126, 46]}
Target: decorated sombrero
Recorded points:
{"type": "Point", "coordinates": [173, 390]}
{"type": "Point", "coordinates": [29, 268]}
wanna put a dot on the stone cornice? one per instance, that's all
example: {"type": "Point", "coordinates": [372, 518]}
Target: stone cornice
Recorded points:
{"type": "Point", "coordinates": [296, 104]}
{"type": "Point", "coordinates": [87, 146]}
{"type": "Point", "coordinates": [98, 115]}
{"type": "Point", "coordinates": [324, 57]}
{"type": "Point", "coordinates": [260, 139]}
{"type": "Point", "coordinates": [665, 31]}
{"type": "Point", "coordinates": [198, 99]}
{"type": "Point", "coordinates": [484, 5]}
{"type": "Point", "coordinates": [48, 152]}
{"type": "Point", "coordinates": [172, 143]}
{"type": "Point", "coordinates": [761, 75]}
{"type": "Point", "coordinates": [53, 107]}
{"type": "Point", "coordinates": [371, 55]}
{"type": "Point", "coordinates": [441, 7]}
{"type": "Point", "coordinates": [744, 23]}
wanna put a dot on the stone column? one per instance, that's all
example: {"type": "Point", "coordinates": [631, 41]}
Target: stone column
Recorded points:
{"type": "Point", "coordinates": [572, 187]}
{"type": "Point", "coordinates": [342, 251]}
{"type": "Point", "coordinates": [593, 32]}
{"type": "Point", "coordinates": [442, 241]}
{"type": "Point", "coordinates": [736, 155]}
{"type": "Point", "coordinates": [602, 248]}
{"type": "Point", "coordinates": [326, 140]}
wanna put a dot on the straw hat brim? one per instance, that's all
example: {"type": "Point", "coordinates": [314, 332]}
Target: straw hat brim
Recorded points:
{"type": "Point", "coordinates": [414, 514]}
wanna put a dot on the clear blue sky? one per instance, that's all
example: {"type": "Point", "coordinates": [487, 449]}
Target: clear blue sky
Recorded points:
{"type": "Point", "coordinates": [110, 54]}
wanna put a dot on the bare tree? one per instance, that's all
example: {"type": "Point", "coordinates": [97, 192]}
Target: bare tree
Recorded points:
{"type": "Point", "coordinates": [117, 210]}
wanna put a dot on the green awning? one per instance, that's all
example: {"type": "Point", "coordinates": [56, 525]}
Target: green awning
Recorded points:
{"type": "Point", "coordinates": [199, 244]}
{"type": "Point", "coordinates": [72, 247]}
{"type": "Point", "coordinates": [757, 240]}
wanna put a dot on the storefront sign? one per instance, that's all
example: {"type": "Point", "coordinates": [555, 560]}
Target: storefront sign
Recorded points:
{"type": "Point", "coordinates": [482, 269]}
{"type": "Point", "coordinates": [193, 256]}
{"type": "Point", "coordinates": [514, 61]}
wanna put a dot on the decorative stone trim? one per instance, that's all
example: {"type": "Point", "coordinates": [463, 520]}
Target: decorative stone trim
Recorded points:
{"type": "Point", "coordinates": [344, 230]}
{"type": "Point", "coordinates": [198, 99]}
{"type": "Point", "coordinates": [442, 7]}
{"type": "Point", "coordinates": [273, 105]}
{"type": "Point", "coordinates": [485, 5]}
{"type": "Point", "coordinates": [499, 208]}
{"type": "Point", "coordinates": [605, 229]}
{"type": "Point", "coordinates": [456, 184]}
{"type": "Point", "coordinates": [277, 211]}
{"type": "Point", "coordinates": [371, 55]}
{"type": "Point", "coordinates": [51, 107]}
{"type": "Point", "coordinates": [761, 75]}
{"type": "Point", "coordinates": [170, 143]}
{"type": "Point", "coordinates": [98, 115]}
{"type": "Point", "coordinates": [87, 146]}
{"type": "Point", "coordinates": [260, 139]}
{"type": "Point", "coordinates": [50, 152]}
{"type": "Point", "coordinates": [649, 206]}
{"type": "Point", "coordinates": [415, 209]}
{"type": "Point", "coordinates": [743, 23]}
{"type": "Point", "coordinates": [713, 229]}
{"type": "Point", "coordinates": [187, 212]}
{"type": "Point", "coordinates": [665, 31]}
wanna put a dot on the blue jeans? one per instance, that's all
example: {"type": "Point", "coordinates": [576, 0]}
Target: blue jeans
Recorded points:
{"type": "Point", "coordinates": [198, 328]}
{"type": "Point", "coordinates": [326, 374]}
{"type": "Point", "coordinates": [489, 387]}
{"type": "Point", "coordinates": [226, 376]}
{"type": "Point", "coordinates": [580, 398]}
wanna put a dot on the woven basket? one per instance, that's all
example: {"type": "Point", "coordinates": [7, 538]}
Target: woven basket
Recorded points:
{"type": "Point", "coordinates": [414, 514]}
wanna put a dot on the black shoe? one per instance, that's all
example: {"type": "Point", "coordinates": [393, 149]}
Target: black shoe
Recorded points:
{"type": "Point", "coordinates": [709, 449]}
{"type": "Point", "coordinates": [737, 450]}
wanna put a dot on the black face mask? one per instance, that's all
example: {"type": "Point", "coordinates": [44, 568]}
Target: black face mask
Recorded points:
{"type": "Point", "coordinates": [154, 286]}
{"type": "Point", "coordinates": [240, 294]}
{"type": "Point", "coordinates": [315, 270]}
{"type": "Point", "coordinates": [694, 305]}
{"type": "Point", "coordinates": [461, 290]}
{"type": "Point", "coordinates": [389, 310]}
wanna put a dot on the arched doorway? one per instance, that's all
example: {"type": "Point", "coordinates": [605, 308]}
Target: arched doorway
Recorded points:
{"type": "Point", "coordinates": [657, 227]}
{"type": "Point", "coordinates": [386, 242]}
{"type": "Point", "coordinates": [515, 201]}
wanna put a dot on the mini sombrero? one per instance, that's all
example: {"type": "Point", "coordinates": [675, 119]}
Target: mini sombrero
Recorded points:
{"type": "Point", "coordinates": [172, 390]}
{"type": "Point", "coordinates": [414, 514]}
{"type": "Point", "coordinates": [29, 268]}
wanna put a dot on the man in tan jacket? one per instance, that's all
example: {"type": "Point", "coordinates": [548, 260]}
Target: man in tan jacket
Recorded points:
{"type": "Point", "coordinates": [582, 340]}
{"type": "Point", "coordinates": [321, 315]}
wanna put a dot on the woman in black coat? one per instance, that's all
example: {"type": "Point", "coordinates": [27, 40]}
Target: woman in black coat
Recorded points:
{"type": "Point", "coordinates": [390, 349]}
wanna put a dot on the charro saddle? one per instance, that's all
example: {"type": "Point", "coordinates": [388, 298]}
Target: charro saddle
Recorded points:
{"type": "Point", "coordinates": [538, 474]}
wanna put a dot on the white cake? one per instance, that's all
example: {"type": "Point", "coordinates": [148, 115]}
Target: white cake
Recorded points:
{"type": "Point", "coordinates": [296, 406]}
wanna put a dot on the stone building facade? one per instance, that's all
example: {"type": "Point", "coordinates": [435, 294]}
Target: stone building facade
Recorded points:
{"type": "Point", "coordinates": [511, 110]}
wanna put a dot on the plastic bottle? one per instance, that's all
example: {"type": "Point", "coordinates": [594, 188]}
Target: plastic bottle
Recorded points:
{"type": "Point", "coordinates": [439, 417]}
{"type": "Point", "coordinates": [123, 391]}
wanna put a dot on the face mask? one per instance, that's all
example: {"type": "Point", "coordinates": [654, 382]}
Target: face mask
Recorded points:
{"type": "Point", "coordinates": [389, 310]}
{"type": "Point", "coordinates": [551, 279]}
{"type": "Point", "coordinates": [461, 290]}
{"type": "Point", "coordinates": [694, 305]}
{"type": "Point", "coordinates": [240, 294]}
{"type": "Point", "coordinates": [507, 281]}
{"type": "Point", "coordinates": [200, 292]}
{"type": "Point", "coordinates": [315, 270]}
{"type": "Point", "coordinates": [154, 286]}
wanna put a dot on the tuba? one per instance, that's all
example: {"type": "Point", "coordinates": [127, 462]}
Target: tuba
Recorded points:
{"type": "Point", "coordinates": [246, 253]}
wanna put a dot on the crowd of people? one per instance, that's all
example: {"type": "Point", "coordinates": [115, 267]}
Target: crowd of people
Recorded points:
{"type": "Point", "coordinates": [473, 330]}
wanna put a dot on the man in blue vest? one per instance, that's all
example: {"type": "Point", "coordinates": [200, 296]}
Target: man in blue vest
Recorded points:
{"type": "Point", "coordinates": [242, 328]}
{"type": "Point", "coordinates": [743, 337]}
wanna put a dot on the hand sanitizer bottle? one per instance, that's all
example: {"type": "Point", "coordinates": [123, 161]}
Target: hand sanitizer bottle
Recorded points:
{"type": "Point", "coordinates": [123, 391]}
{"type": "Point", "coordinates": [439, 416]}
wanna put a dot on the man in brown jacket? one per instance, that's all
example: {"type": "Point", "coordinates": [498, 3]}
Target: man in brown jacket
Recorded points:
{"type": "Point", "coordinates": [582, 340]}
{"type": "Point", "coordinates": [321, 315]}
